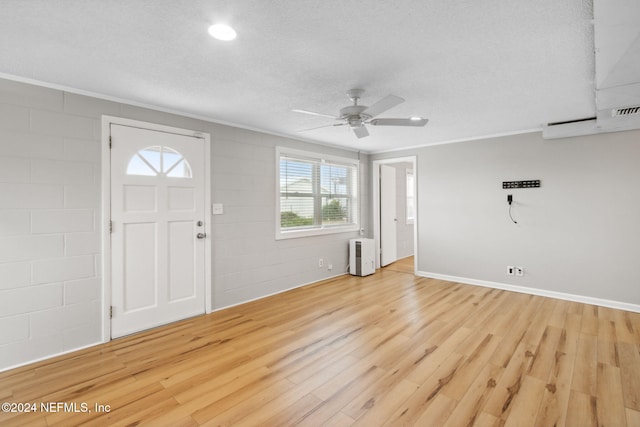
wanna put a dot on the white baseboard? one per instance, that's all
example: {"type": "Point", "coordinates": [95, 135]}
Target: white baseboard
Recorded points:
{"type": "Point", "coordinates": [276, 293]}
{"type": "Point", "coordinates": [51, 356]}
{"type": "Point", "coordinates": [534, 291]}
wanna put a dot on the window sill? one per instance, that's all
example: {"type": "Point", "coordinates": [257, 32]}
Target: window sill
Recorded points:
{"type": "Point", "coordinates": [294, 234]}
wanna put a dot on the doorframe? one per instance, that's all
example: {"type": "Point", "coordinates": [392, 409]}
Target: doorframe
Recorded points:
{"type": "Point", "coordinates": [107, 121]}
{"type": "Point", "coordinates": [375, 176]}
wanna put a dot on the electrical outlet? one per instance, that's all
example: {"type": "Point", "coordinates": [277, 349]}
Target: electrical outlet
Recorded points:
{"type": "Point", "coordinates": [510, 270]}
{"type": "Point", "coordinates": [320, 263]}
{"type": "Point", "coordinates": [519, 271]}
{"type": "Point", "coordinates": [330, 267]}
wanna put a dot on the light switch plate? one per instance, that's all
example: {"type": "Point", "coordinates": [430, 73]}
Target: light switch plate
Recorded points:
{"type": "Point", "coordinates": [217, 209]}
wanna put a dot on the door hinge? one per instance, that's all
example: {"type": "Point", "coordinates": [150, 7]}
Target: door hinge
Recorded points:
{"type": "Point", "coordinates": [110, 142]}
{"type": "Point", "coordinates": [111, 312]}
{"type": "Point", "coordinates": [110, 227]}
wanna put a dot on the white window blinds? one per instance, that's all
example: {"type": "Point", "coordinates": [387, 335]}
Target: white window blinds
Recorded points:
{"type": "Point", "coordinates": [316, 193]}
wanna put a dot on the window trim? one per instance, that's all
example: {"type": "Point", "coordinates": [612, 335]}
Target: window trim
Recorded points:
{"type": "Point", "coordinates": [321, 230]}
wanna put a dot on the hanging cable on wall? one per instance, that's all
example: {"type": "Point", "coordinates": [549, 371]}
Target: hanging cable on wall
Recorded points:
{"type": "Point", "coordinates": [510, 201]}
{"type": "Point", "coordinates": [531, 183]}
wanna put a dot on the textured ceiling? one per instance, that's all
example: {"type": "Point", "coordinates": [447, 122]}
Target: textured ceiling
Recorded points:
{"type": "Point", "coordinates": [474, 68]}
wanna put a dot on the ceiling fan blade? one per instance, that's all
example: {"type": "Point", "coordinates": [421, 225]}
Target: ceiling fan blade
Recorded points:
{"type": "Point", "coordinates": [383, 105]}
{"type": "Point", "coordinates": [399, 122]}
{"type": "Point", "coordinates": [313, 113]}
{"type": "Point", "coordinates": [320, 127]}
{"type": "Point", "coordinates": [361, 131]}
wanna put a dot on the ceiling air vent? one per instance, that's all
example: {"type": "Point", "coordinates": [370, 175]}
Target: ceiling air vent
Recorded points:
{"type": "Point", "coordinates": [627, 111]}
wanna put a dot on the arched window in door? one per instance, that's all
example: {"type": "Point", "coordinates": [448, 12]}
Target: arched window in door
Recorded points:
{"type": "Point", "coordinates": [159, 160]}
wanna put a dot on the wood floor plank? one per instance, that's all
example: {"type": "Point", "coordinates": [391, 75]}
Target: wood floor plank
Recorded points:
{"type": "Point", "coordinates": [514, 330]}
{"type": "Point", "coordinates": [559, 315]}
{"type": "Point", "coordinates": [281, 404]}
{"type": "Point", "coordinates": [230, 411]}
{"type": "Point", "coordinates": [586, 365]}
{"type": "Point", "coordinates": [112, 394]}
{"type": "Point", "coordinates": [292, 413]}
{"type": "Point", "coordinates": [505, 314]}
{"type": "Point", "coordinates": [472, 366]}
{"type": "Point", "coordinates": [339, 420]}
{"type": "Point", "coordinates": [393, 382]}
{"type": "Point", "coordinates": [437, 413]}
{"type": "Point", "coordinates": [387, 349]}
{"type": "Point", "coordinates": [625, 328]}
{"type": "Point", "coordinates": [630, 374]}
{"type": "Point", "coordinates": [469, 408]}
{"type": "Point", "coordinates": [413, 408]}
{"type": "Point", "coordinates": [590, 320]}
{"type": "Point", "coordinates": [610, 397]}
{"type": "Point", "coordinates": [21, 420]}
{"type": "Point", "coordinates": [148, 406]}
{"type": "Point", "coordinates": [582, 410]}
{"type": "Point", "coordinates": [539, 323]}
{"type": "Point", "coordinates": [545, 354]}
{"type": "Point", "coordinates": [607, 339]}
{"type": "Point", "coordinates": [432, 363]}
{"type": "Point", "coordinates": [555, 401]}
{"type": "Point", "coordinates": [486, 420]}
{"type": "Point", "coordinates": [341, 397]}
{"type": "Point", "coordinates": [526, 404]}
{"type": "Point", "coordinates": [377, 408]}
{"type": "Point", "coordinates": [633, 417]}
{"type": "Point", "coordinates": [500, 403]}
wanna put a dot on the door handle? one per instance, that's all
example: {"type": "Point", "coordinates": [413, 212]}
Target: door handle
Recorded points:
{"type": "Point", "coordinates": [201, 235]}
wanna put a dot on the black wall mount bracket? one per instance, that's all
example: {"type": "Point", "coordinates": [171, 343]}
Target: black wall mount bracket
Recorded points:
{"type": "Point", "coordinates": [532, 183]}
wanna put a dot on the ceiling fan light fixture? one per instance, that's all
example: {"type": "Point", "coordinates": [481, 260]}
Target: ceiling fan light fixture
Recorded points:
{"type": "Point", "coordinates": [356, 116]}
{"type": "Point", "coordinates": [355, 122]}
{"type": "Point", "coordinates": [222, 32]}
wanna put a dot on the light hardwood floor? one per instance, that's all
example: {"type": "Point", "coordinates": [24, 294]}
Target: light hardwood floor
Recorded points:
{"type": "Point", "coordinates": [388, 349]}
{"type": "Point", "coordinates": [404, 265]}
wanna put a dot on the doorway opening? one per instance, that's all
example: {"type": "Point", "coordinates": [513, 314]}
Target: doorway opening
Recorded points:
{"type": "Point", "coordinates": [395, 219]}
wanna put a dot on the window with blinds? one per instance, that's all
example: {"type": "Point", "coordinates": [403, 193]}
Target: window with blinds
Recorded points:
{"type": "Point", "coordinates": [317, 194]}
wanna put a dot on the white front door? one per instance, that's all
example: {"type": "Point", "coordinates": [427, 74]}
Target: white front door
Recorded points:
{"type": "Point", "coordinates": [388, 218]}
{"type": "Point", "coordinates": [157, 238]}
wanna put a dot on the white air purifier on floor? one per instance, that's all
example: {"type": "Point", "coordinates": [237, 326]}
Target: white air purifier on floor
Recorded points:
{"type": "Point", "coordinates": [361, 257]}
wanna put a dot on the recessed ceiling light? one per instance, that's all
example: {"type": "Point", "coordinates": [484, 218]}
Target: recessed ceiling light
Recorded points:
{"type": "Point", "coordinates": [222, 32]}
{"type": "Point", "coordinates": [416, 118]}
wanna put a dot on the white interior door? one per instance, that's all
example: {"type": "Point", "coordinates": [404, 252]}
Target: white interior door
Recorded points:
{"type": "Point", "coordinates": [388, 218]}
{"type": "Point", "coordinates": [157, 237]}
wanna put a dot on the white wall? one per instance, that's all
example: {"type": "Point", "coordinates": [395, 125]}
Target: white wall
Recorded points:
{"type": "Point", "coordinates": [579, 234]}
{"type": "Point", "coordinates": [50, 273]}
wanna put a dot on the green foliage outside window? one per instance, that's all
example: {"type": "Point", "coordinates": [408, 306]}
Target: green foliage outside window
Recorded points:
{"type": "Point", "coordinates": [292, 219]}
{"type": "Point", "coordinates": [333, 211]}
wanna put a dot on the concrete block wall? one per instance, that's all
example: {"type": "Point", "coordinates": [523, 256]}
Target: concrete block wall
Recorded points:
{"type": "Point", "coordinates": [50, 207]}
{"type": "Point", "coordinates": [49, 218]}
{"type": "Point", "coordinates": [248, 261]}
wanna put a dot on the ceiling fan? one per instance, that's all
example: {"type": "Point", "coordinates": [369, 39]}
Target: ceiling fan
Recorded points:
{"type": "Point", "coordinates": [357, 116]}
